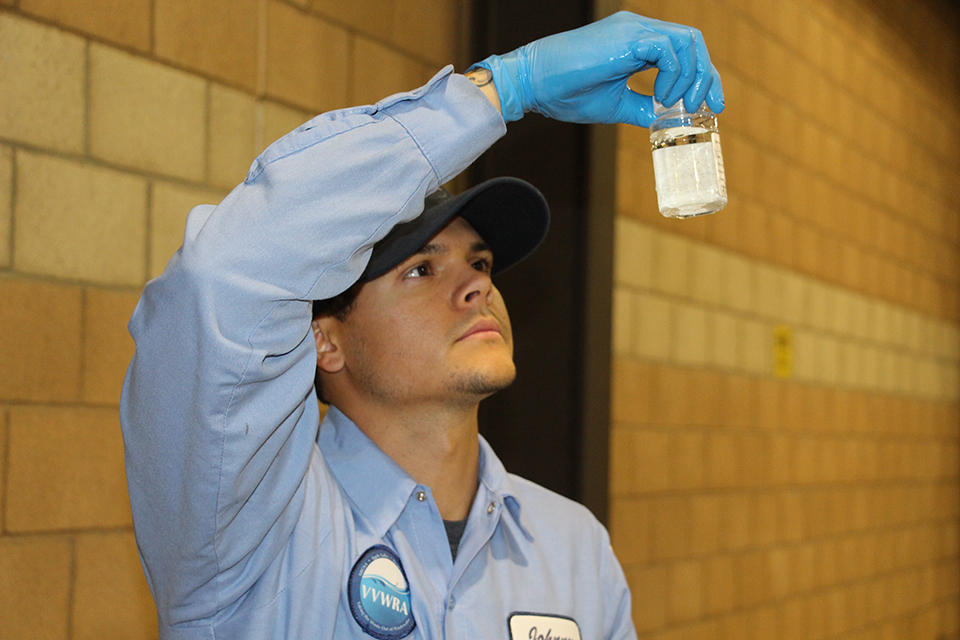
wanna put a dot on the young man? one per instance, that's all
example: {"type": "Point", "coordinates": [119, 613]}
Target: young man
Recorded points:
{"type": "Point", "coordinates": [392, 518]}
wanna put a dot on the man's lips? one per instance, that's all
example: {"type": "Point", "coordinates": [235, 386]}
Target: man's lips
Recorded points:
{"type": "Point", "coordinates": [485, 327]}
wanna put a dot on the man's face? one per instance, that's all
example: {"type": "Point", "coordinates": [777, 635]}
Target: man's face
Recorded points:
{"type": "Point", "coordinates": [434, 328]}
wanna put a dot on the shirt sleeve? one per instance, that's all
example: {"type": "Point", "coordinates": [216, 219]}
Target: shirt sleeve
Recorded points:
{"type": "Point", "coordinates": [218, 412]}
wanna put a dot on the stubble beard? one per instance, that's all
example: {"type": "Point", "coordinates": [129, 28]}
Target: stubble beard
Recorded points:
{"type": "Point", "coordinates": [479, 384]}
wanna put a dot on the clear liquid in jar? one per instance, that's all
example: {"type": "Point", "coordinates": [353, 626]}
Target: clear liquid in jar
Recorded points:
{"type": "Point", "coordinates": [688, 168]}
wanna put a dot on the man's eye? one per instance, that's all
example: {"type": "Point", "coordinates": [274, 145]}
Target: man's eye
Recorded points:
{"type": "Point", "coordinates": [418, 271]}
{"type": "Point", "coordinates": [483, 264]}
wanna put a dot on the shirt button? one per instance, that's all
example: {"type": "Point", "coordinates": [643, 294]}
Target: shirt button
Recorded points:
{"type": "Point", "coordinates": [491, 507]}
{"type": "Point", "coordinates": [451, 604]}
{"type": "Point", "coordinates": [421, 496]}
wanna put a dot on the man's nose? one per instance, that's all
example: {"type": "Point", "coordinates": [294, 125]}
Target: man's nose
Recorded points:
{"type": "Point", "coordinates": [476, 289]}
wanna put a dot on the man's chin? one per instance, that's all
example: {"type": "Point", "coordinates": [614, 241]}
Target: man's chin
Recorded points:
{"type": "Point", "coordinates": [484, 384]}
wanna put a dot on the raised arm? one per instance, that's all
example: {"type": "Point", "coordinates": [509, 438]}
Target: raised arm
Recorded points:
{"type": "Point", "coordinates": [218, 412]}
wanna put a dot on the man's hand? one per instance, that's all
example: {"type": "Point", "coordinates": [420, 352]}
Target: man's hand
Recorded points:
{"type": "Point", "coordinates": [581, 75]}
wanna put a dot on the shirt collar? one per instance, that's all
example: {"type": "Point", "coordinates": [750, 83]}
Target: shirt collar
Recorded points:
{"type": "Point", "coordinates": [376, 485]}
{"type": "Point", "coordinates": [496, 480]}
{"type": "Point", "coordinates": [379, 487]}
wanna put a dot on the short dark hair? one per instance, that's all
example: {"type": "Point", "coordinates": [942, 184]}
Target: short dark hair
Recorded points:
{"type": "Point", "coordinates": [339, 306]}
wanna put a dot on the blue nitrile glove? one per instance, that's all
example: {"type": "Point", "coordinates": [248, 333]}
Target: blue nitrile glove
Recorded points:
{"type": "Point", "coordinates": [581, 75]}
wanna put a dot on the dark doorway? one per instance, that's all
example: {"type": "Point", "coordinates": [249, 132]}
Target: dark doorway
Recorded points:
{"type": "Point", "coordinates": [552, 425]}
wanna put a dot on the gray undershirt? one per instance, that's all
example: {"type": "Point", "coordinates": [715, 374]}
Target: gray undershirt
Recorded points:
{"type": "Point", "coordinates": [454, 533]}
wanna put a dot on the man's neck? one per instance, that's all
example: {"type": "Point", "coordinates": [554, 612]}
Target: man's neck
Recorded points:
{"type": "Point", "coordinates": [436, 445]}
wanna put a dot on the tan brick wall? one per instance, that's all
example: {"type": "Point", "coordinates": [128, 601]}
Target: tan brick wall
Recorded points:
{"type": "Point", "coordinates": [825, 503]}
{"type": "Point", "coordinates": [117, 117]}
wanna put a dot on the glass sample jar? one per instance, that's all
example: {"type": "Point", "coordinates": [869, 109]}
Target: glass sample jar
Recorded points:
{"type": "Point", "coordinates": [687, 163]}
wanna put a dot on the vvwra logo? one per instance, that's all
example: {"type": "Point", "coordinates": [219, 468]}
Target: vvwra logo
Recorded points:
{"type": "Point", "coordinates": [380, 595]}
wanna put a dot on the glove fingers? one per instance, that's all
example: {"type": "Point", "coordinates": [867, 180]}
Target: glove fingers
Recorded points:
{"type": "Point", "coordinates": [697, 92]}
{"type": "Point", "coordinates": [658, 51]}
{"type": "Point", "coordinates": [684, 40]}
{"type": "Point", "coordinates": [635, 109]}
{"type": "Point", "coordinates": [715, 95]}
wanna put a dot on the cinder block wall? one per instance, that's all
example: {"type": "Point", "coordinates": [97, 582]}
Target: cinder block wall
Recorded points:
{"type": "Point", "coordinates": [822, 505]}
{"type": "Point", "coordinates": [117, 117]}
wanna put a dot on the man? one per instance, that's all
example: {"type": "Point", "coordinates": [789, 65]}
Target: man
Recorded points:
{"type": "Point", "coordinates": [392, 518]}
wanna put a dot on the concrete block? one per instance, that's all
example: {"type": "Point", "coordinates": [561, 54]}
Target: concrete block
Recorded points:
{"type": "Point", "coordinates": [756, 343]}
{"type": "Point", "coordinates": [753, 588]}
{"type": "Point", "coordinates": [723, 340]}
{"type": "Point", "coordinates": [671, 264]}
{"type": "Point", "coordinates": [378, 72]}
{"type": "Point", "coordinates": [633, 253]}
{"type": "Point", "coordinates": [794, 297]}
{"type": "Point", "coordinates": [146, 115]}
{"type": "Point", "coordinates": [169, 206]}
{"type": "Point", "coordinates": [371, 17]}
{"type": "Point", "coordinates": [849, 313]}
{"type": "Point", "coordinates": [6, 203]}
{"type": "Point", "coordinates": [653, 327]}
{"type": "Point", "coordinates": [429, 29]}
{"type": "Point", "coordinates": [707, 409]}
{"type": "Point", "coordinates": [649, 453]}
{"type": "Point", "coordinates": [672, 390]}
{"type": "Point", "coordinates": [705, 277]}
{"type": "Point", "coordinates": [685, 591]}
{"type": "Point", "coordinates": [719, 590]}
{"type": "Point", "coordinates": [769, 292]}
{"type": "Point", "coordinates": [805, 360]}
{"type": "Point", "coordinates": [42, 75]}
{"type": "Point", "coordinates": [110, 594]}
{"type": "Point", "coordinates": [739, 402]}
{"type": "Point", "coordinates": [233, 135]}
{"type": "Point", "coordinates": [65, 470]}
{"type": "Point", "coordinates": [670, 525]}
{"type": "Point", "coordinates": [829, 349]}
{"type": "Point", "coordinates": [686, 459]}
{"type": "Point", "coordinates": [736, 290]}
{"type": "Point", "coordinates": [107, 346]}
{"type": "Point", "coordinates": [870, 363]}
{"type": "Point", "coordinates": [39, 341]}
{"type": "Point", "coordinates": [689, 335]}
{"type": "Point", "coordinates": [631, 392]}
{"type": "Point", "coordinates": [307, 59]}
{"type": "Point", "coordinates": [78, 221]}
{"type": "Point", "coordinates": [630, 530]}
{"type": "Point", "coordinates": [35, 587]}
{"type": "Point", "coordinates": [125, 22]}
{"type": "Point", "coordinates": [881, 321]}
{"type": "Point", "coordinates": [214, 37]}
{"type": "Point", "coordinates": [650, 610]}
{"type": "Point", "coordinates": [815, 307]}
{"type": "Point", "coordinates": [706, 511]}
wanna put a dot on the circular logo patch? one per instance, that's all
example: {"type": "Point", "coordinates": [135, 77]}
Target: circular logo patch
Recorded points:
{"type": "Point", "coordinates": [380, 595]}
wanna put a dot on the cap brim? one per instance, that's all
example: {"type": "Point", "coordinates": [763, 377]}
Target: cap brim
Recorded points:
{"type": "Point", "coordinates": [511, 216]}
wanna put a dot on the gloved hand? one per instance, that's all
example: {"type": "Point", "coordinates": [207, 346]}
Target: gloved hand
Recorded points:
{"type": "Point", "coordinates": [581, 75]}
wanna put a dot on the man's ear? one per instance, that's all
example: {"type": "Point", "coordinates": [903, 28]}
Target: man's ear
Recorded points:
{"type": "Point", "coordinates": [329, 354]}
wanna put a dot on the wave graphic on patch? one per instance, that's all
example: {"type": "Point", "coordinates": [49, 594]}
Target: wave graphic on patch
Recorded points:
{"type": "Point", "coordinates": [388, 572]}
{"type": "Point", "coordinates": [380, 595]}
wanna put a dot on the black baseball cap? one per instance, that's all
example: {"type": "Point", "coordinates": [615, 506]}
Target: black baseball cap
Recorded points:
{"type": "Point", "coordinates": [511, 216]}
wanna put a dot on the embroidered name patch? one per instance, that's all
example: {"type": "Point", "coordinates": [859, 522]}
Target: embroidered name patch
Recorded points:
{"type": "Point", "coordinates": [537, 626]}
{"type": "Point", "coordinates": [380, 595]}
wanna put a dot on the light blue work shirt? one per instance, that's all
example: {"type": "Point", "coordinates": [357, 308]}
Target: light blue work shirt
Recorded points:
{"type": "Point", "coordinates": [252, 520]}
